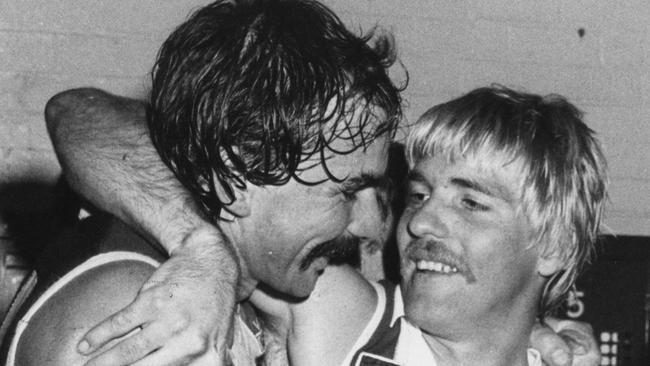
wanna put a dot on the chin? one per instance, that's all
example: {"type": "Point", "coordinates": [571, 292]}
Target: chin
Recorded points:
{"type": "Point", "coordinates": [428, 315]}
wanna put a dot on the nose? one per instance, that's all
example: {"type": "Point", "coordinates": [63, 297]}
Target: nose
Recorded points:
{"type": "Point", "coordinates": [429, 219]}
{"type": "Point", "coordinates": [371, 216]}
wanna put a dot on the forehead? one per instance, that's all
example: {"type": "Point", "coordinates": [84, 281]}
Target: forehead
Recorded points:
{"type": "Point", "coordinates": [369, 160]}
{"type": "Point", "coordinates": [352, 149]}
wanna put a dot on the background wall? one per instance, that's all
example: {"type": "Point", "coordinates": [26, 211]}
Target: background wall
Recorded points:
{"type": "Point", "coordinates": [596, 53]}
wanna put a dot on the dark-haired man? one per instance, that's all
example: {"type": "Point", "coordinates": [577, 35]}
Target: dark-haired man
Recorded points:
{"type": "Point", "coordinates": [273, 115]}
{"type": "Point", "coordinates": [278, 130]}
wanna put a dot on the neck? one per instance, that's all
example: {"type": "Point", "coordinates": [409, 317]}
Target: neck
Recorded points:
{"type": "Point", "coordinates": [246, 284]}
{"type": "Point", "coordinates": [495, 342]}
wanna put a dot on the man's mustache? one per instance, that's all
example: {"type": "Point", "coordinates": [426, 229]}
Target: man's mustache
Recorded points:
{"type": "Point", "coordinates": [433, 250]}
{"type": "Point", "coordinates": [338, 250]}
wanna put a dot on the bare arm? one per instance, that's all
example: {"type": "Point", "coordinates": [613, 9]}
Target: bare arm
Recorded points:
{"type": "Point", "coordinates": [107, 157]}
{"type": "Point", "coordinates": [105, 152]}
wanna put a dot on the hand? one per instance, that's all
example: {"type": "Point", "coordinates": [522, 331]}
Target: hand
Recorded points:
{"type": "Point", "coordinates": [566, 342]}
{"type": "Point", "coordinates": [185, 311]}
{"type": "Point", "coordinates": [580, 338]}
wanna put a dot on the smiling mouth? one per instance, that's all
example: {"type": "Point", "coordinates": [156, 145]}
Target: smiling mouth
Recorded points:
{"type": "Point", "coordinates": [433, 266]}
{"type": "Point", "coordinates": [432, 257]}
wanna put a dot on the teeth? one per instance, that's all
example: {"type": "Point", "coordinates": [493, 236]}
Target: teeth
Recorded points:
{"type": "Point", "coordinates": [435, 266]}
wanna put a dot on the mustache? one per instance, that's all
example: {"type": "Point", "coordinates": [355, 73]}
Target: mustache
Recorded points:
{"type": "Point", "coordinates": [339, 250]}
{"type": "Point", "coordinates": [434, 250]}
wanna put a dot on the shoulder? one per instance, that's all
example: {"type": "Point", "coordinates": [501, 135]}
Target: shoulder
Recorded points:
{"type": "Point", "coordinates": [381, 336]}
{"type": "Point", "coordinates": [76, 303]}
{"type": "Point", "coordinates": [339, 291]}
{"type": "Point", "coordinates": [330, 322]}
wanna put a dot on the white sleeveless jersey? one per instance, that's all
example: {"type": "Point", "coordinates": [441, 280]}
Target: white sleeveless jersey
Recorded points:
{"type": "Point", "coordinates": [390, 340]}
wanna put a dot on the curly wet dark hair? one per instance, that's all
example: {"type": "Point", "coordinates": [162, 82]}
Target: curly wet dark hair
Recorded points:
{"type": "Point", "coordinates": [245, 91]}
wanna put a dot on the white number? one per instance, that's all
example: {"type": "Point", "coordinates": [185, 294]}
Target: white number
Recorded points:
{"type": "Point", "coordinates": [575, 305]}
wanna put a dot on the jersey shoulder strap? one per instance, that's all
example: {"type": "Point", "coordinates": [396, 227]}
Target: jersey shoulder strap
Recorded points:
{"type": "Point", "coordinates": [380, 348]}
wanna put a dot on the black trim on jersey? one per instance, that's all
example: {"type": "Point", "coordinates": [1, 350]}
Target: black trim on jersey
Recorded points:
{"type": "Point", "coordinates": [383, 340]}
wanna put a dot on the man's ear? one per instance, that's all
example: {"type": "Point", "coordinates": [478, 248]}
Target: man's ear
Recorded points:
{"type": "Point", "coordinates": [240, 206]}
{"type": "Point", "coordinates": [550, 263]}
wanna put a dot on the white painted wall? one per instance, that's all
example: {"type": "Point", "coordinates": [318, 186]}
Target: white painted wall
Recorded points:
{"type": "Point", "coordinates": [448, 47]}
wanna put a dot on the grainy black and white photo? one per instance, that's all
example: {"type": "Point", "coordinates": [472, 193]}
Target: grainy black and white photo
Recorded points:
{"type": "Point", "coordinates": [324, 182]}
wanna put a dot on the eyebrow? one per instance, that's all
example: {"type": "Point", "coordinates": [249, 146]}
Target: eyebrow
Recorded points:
{"type": "Point", "coordinates": [366, 180]}
{"type": "Point", "coordinates": [479, 185]}
{"type": "Point", "coordinates": [372, 180]}
{"type": "Point", "coordinates": [487, 189]}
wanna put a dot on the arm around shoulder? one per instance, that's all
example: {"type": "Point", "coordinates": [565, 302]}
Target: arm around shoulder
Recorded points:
{"type": "Point", "coordinates": [93, 134]}
{"type": "Point", "coordinates": [107, 156]}
{"type": "Point", "coordinates": [103, 145]}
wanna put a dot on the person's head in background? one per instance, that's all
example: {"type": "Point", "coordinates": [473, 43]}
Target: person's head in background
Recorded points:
{"type": "Point", "coordinates": [505, 198]}
{"type": "Point", "coordinates": [274, 116]}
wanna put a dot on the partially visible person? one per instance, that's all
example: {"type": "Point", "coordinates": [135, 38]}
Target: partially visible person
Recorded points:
{"type": "Point", "coordinates": [504, 201]}
{"type": "Point", "coordinates": [273, 115]}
